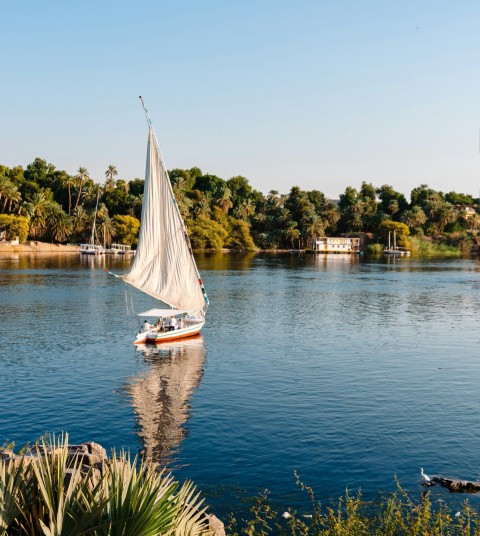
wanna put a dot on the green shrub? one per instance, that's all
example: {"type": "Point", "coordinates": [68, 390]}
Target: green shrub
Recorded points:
{"type": "Point", "coordinates": [126, 229]}
{"type": "Point", "coordinates": [374, 249]}
{"type": "Point", "coordinates": [14, 226]}
{"type": "Point", "coordinates": [426, 247]}
{"type": "Point", "coordinates": [395, 515]}
{"type": "Point", "coordinates": [205, 233]}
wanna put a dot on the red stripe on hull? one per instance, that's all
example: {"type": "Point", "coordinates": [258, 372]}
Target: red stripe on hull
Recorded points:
{"type": "Point", "coordinates": [172, 338]}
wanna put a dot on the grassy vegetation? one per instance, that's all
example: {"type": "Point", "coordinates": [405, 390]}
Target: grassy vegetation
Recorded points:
{"type": "Point", "coordinates": [396, 515]}
{"type": "Point", "coordinates": [427, 247]}
{"type": "Point", "coordinates": [423, 247]}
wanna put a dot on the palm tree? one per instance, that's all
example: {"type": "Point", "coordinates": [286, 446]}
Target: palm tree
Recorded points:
{"type": "Point", "coordinates": [90, 193]}
{"type": "Point", "coordinates": [81, 178]}
{"type": "Point", "coordinates": [110, 175]}
{"type": "Point", "coordinates": [36, 208]}
{"type": "Point", "coordinates": [445, 214]}
{"type": "Point", "coordinates": [355, 215]}
{"type": "Point", "coordinates": [245, 209]}
{"type": "Point", "coordinates": [414, 218]}
{"type": "Point", "coordinates": [203, 207]}
{"type": "Point", "coordinates": [137, 203]}
{"type": "Point", "coordinates": [79, 219]}
{"type": "Point", "coordinates": [225, 200]}
{"type": "Point", "coordinates": [107, 229]}
{"type": "Point", "coordinates": [179, 186]}
{"type": "Point", "coordinates": [123, 185]}
{"type": "Point", "coordinates": [58, 223]}
{"type": "Point", "coordinates": [292, 233]}
{"type": "Point", "coordinates": [11, 196]}
{"type": "Point", "coordinates": [314, 227]}
{"type": "Point", "coordinates": [69, 183]}
{"type": "Point", "coordinates": [474, 222]}
{"type": "Point", "coordinates": [273, 199]}
{"type": "Point", "coordinates": [393, 207]}
{"type": "Point", "coordinates": [331, 215]}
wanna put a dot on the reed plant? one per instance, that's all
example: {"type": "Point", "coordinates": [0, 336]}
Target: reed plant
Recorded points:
{"type": "Point", "coordinates": [50, 493]}
{"type": "Point", "coordinates": [429, 248]}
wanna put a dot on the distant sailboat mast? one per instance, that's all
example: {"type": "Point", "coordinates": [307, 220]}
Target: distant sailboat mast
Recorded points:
{"type": "Point", "coordinates": [92, 239]}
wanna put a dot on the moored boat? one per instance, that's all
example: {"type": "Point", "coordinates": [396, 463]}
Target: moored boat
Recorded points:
{"type": "Point", "coordinates": [394, 250]}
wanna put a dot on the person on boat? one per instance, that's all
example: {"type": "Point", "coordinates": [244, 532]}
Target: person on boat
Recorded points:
{"type": "Point", "coordinates": [173, 323]}
{"type": "Point", "coordinates": [146, 326]}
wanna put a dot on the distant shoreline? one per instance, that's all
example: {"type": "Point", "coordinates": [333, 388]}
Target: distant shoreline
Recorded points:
{"type": "Point", "coordinates": [34, 246]}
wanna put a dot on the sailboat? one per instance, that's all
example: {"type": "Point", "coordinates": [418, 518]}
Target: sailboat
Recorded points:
{"type": "Point", "coordinates": [397, 251]}
{"type": "Point", "coordinates": [91, 248]}
{"type": "Point", "coordinates": [164, 266]}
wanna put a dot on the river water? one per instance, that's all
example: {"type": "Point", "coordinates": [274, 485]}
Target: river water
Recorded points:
{"type": "Point", "coordinates": [347, 370]}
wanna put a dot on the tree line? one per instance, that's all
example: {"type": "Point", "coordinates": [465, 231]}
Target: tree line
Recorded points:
{"type": "Point", "coordinates": [43, 203]}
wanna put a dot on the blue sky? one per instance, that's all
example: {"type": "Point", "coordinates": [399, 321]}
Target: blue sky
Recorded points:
{"type": "Point", "coordinates": [310, 93]}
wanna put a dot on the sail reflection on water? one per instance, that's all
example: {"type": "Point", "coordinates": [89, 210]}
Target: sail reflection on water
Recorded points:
{"type": "Point", "coordinates": [161, 396]}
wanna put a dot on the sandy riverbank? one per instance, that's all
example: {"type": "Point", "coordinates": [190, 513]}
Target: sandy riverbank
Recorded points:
{"type": "Point", "coordinates": [37, 247]}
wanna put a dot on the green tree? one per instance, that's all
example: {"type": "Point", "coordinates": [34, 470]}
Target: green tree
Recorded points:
{"type": "Point", "coordinates": [459, 199]}
{"type": "Point", "coordinates": [292, 233]}
{"type": "Point", "coordinates": [117, 201]}
{"type": "Point", "coordinates": [40, 172]}
{"type": "Point", "coordinates": [36, 207]}
{"type": "Point", "coordinates": [82, 176]}
{"type": "Point", "coordinates": [110, 175]}
{"type": "Point", "coordinates": [240, 189]}
{"type": "Point", "coordinates": [107, 229]}
{"type": "Point", "coordinates": [391, 199]}
{"type": "Point", "coordinates": [136, 187]}
{"type": "Point", "coordinates": [9, 193]}
{"type": "Point", "coordinates": [205, 233]}
{"type": "Point", "coordinates": [239, 236]}
{"type": "Point", "coordinates": [126, 229]}
{"type": "Point", "coordinates": [415, 218]}
{"type": "Point", "coordinates": [14, 227]}
{"type": "Point", "coordinates": [210, 184]}
{"type": "Point", "coordinates": [401, 231]}
{"type": "Point", "coordinates": [225, 200]}
{"type": "Point", "coordinates": [58, 224]}
{"type": "Point", "coordinates": [79, 220]}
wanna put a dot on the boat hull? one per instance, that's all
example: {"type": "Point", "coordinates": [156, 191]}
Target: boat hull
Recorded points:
{"type": "Point", "coordinates": [157, 337]}
{"type": "Point", "coordinates": [397, 252]}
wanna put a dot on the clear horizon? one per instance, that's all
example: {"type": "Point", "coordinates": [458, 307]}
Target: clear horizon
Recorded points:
{"type": "Point", "coordinates": [305, 94]}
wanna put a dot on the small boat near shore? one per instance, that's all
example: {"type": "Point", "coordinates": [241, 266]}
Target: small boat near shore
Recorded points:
{"type": "Point", "coordinates": [392, 249]}
{"type": "Point", "coordinates": [92, 248]}
{"type": "Point", "coordinates": [120, 249]}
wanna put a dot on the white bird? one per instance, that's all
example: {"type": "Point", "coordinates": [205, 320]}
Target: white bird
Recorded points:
{"type": "Point", "coordinates": [286, 515]}
{"type": "Point", "coordinates": [426, 478]}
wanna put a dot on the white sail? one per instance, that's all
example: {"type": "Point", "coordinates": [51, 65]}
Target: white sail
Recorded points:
{"type": "Point", "coordinates": [164, 266]}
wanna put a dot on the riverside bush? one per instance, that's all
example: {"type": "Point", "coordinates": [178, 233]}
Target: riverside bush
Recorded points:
{"type": "Point", "coordinates": [395, 515]}
{"type": "Point", "coordinates": [429, 248]}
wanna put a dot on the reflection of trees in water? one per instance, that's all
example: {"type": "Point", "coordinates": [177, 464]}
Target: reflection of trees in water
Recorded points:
{"type": "Point", "coordinates": [161, 397]}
